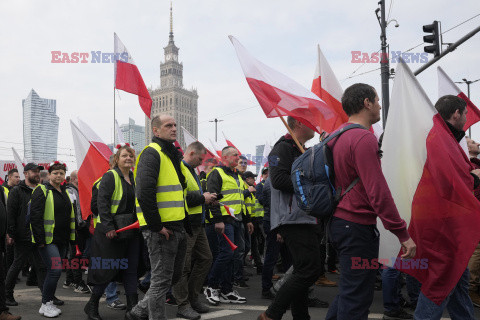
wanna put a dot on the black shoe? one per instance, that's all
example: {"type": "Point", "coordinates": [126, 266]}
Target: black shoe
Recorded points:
{"type": "Point", "coordinates": [268, 295]}
{"type": "Point", "coordinates": [10, 301]}
{"type": "Point", "coordinates": [91, 308]}
{"type": "Point", "coordinates": [397, 315]}
{"type": "Point", "coordinates": [57, 301]}
{"type": "Point", "coordinates": [241, 284]}
{"type": "Point", "coordinates": [170, 299]}
{"type": "Point", "coordinates": [132, 316]}
{"type": "Point", "coordinates": [317, 303]}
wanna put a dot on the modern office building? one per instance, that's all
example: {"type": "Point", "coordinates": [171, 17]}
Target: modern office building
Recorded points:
{"type": "Point", "coordinates": [172, 98]}
{"type": "Point", "coordinates": [134, 134]}
{"type": "Point", "coordinates": [40, 128]}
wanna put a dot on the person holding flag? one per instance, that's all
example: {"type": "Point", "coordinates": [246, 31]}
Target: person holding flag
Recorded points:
{"type": "Point", "coordinates": [225, 180]}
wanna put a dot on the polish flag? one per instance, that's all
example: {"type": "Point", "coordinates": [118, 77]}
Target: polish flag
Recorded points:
{"type": "Point", "coordinates": [230, 211]}
{"type": "Point", "coordinates": [92, 157]}
{"type": "Point", "coordinates": [128, 78]}
{"type": "Point", "coordinates": [266, 151]}
{"type": "Point", "coordinates": [447, 87]}
{"type": "Point", "coordinates": [177, 145]}
{"type": "Point", "coordinates": [189, 139]}
{"type": "Point", "coordinates": [229, 143]}
{"type": "Point", "coordinates": [19, 163]}
{"type": "Point", "coordinates": [326, 86]}
{"type": "Point", "coordinates": [217, 148]}
{"type": "Point", "coordinates": [278, 95]}
{"type": "Point", "coordinates": [432, 187]}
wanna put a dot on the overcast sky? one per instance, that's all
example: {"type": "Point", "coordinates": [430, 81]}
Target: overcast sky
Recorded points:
{"type": "Point", "coordinates": [282, 33]}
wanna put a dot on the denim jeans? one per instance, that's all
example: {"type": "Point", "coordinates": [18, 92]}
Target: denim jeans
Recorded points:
{"type": "Point", "coordinates": [220, 276]}
{"type": "Point", "coordinates": [413, 288]}
{"type": "Point", "coordinates": [111, 292]}
{"type": "Point", "coordinates": [353, 241]}
{"type": "Point", "coordinates": [167, 259]}
{"type": "Point", "coordinates": [391, 289]}
{"type": "Point", "coordinates": [50, 253]}
{"type": "Point", "coordinates": [271, 256]}
{"type": "Point", "coordinates": [239, 255]}
{"type": "Point", "coordinates": [458, 303]}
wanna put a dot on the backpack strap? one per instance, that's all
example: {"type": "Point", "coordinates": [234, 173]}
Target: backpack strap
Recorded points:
{"type": "Point", "coordinates": [338, 194]}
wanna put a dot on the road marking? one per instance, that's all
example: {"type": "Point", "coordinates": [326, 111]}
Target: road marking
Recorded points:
{"type": "Point", "coordinates": [241, 307]}
{"type": "Point", "coordinates": [380, 316]}
{"type": "Point", "coordinates": [217, 314]}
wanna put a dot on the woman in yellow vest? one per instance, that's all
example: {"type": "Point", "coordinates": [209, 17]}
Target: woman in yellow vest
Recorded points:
{"type": "Point", "coordinates": [52, 222]}
{"type": "Point", "coordinates": [115, 254]}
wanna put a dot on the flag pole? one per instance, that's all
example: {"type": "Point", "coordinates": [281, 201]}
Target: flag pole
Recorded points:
{"type": "Point", "coordinates": [291, 133]}
{"type": "Point", "coordinates": [114, 132]}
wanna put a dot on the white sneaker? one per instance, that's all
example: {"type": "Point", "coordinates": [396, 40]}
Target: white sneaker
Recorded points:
{"type": "Point", "coordinates": [232, 297]}
{"type": "Point", "coordinates": [212, 296]}
{"type": "Point", "coordinates": [56, 308]}
{"type": "Point", "coordinates": [48, 310]}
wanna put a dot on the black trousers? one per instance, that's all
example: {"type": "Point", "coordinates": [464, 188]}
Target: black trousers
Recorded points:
{"type": "Point", "coordinates": [3, 306]}
{"type": "Point", "coordinates": [24, 250]}
{"type": "Point", "coordinates": [303, 242]}
{"type": "Point", "coordinates": [75, 275]}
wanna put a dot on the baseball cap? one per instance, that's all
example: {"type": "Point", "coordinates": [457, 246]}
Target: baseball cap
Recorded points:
{"type": "Point", "coordinates": [249, 174]}
{"type": "Point", "coordinates": [32, 166]}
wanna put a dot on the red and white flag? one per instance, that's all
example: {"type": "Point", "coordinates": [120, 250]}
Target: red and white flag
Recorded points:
{"type": "Point", "coordinates": [217, 148]}
{"type": "Point", "coordinates": [230, 143]}
{"type": "Point", "coordinates": [92, 157]}
{"type": "Point", "coordinates": [189, 139]}
{"type": "Point", "coordinates": [230, 211]}
{"type": "Point", "coordinates": [432, 187]}
{"type": "Point", "coordinates": [278, 95]}
{"type": "Point", "coordinates": [128, 77]}
{"type": "Point", "coordinates": [446, 86]}
{"type": "Point", "coordinates": [19, 163]}
{"type": "Point", "coordinates": [326, 86]}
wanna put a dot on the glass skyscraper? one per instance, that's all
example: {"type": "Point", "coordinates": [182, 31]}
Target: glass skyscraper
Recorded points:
{"type": "Point", "coordinates": [40, 128]}
{"type": "Point", "coordinates": [134, 134]}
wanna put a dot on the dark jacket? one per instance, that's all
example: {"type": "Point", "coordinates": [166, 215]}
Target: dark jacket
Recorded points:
{"type": "Point", "coordinates": [17, 206]}
{"type": "Point", "coordinates": [195, 199]}
{"type": "Point", "coordinates": [214, 185]}
{"type": "Point", "coordinates": [3, 219]}
{"type": "Point", "coordinates": [104, 200]}
{"type": "Point", "coordinates": [93, 202]}
{"type": "Point", "coordinates": [102, 247]}
{"type": "Point", "coordinates": [62, 212]}
{"type": "Point", "coordinates": [284, 209]}
{"type": "Point", "coordinates": [148, 169]}
{"type": "Point", "coordinates": [263, 196]}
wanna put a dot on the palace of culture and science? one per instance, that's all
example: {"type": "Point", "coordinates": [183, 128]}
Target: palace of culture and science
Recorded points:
{"type": "Point", "coordinates": [172, 98]}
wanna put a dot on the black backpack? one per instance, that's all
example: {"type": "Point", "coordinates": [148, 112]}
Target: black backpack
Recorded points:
{"type": "Point", "coordinates": [313, 178]}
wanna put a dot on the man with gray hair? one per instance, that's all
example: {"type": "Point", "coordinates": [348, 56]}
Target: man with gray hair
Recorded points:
{"type": "Point", "coordinates": [198, 257]}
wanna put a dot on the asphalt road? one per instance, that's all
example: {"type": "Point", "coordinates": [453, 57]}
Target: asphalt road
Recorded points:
{"type": "Point", "coordinates": [29, 299]}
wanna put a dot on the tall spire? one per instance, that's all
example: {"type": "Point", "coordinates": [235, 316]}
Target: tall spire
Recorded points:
{"type": "Point", "coordinates": [171, 24]}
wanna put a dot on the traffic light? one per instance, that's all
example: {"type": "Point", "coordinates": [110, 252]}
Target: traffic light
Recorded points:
{"type": "Point", "coordinates": [435, 38]}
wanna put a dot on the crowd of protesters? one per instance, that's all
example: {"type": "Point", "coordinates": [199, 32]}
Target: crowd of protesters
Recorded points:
{"type": "Point", "coordinates": [189, 219]}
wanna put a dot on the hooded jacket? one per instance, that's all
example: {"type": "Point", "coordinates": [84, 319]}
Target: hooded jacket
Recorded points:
{"type": "Point", "coordinates": [284, 209]}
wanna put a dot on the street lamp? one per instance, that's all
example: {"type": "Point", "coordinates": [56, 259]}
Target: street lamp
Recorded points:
{"type": "Point", "coordinates": [216, 121]}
